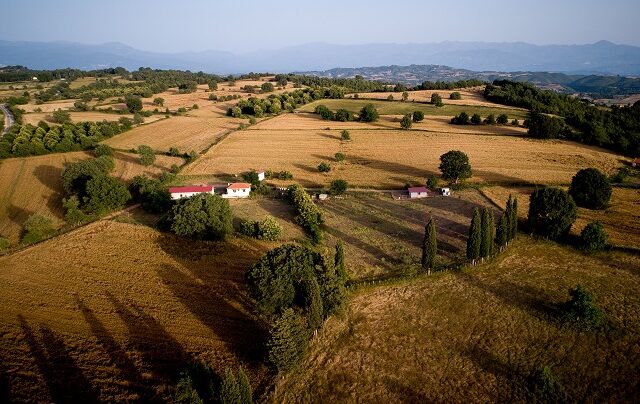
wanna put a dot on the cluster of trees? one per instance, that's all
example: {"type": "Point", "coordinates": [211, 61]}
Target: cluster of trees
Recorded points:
{"type": "Point", "coordinates": [35, 228]}
{"type": "Point", "coordinates": [464, 119]}
{"type": "Point", "coordinates": [20, 73]}
{"type": "Point", "coordinates": [309, 216]}
{"type": "Point", "coordinates": [152, 194]}
{"type": "Point", "coordinates": [28, 140]}
{"type": "Point", "coordinates": [267, 229]}
{"type": "Point", "coordinates": [368, 113]}
{"type": "Point", "coordinates": [275, 103]}
{"type": "Point", "coordinates": [203, 216]}
{"type": "Point", "coordinates": [483, 235]}
{"type": "Point", "coordinates": [617, 128]}
{"type": "Point", "coordinates": [295, 289]}
{"type": "Point", "coordinates": [90, 191]}
{"type": "Point", "coordinates": [199, 384]}
{"type": "Point", "coordinates": [449, 85]}
{"type": "Point", "coordinates": [279, 175]}
{"type": "Point", "coordinates": [355, 84]}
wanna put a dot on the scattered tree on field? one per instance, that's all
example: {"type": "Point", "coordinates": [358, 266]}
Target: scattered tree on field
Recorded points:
{"type": "Point", "coordinates": [339, 156]}
{"type": "Point", "coordinates": [490, 120]}
{"type": "Point", "coordinates": [405, 96]}
{"type": "Point", "coordinates": [552, 212]}
{"type": "Point", "coordinates": [455, 96]}
{"type": "Point", "coordinates": [476, 119]}
{"type": "Point", "coordinates": [368, 113]}
{"type": "Point", "coordinates": [344, 135]}
{"type": "Point", "coordinates": [338, 187]}
{"type": "Point", "coordinates": [406, 122]}
{"type": "Point", "coordinates": [266, 87]}
{"type": "Point", "coordinates": [60, 116]}
{"type": "Point", "coordinates": [390, 97]}
{"type": "Point", "coordinates": [324, 167]}
{"type": "Point", "coordinates": [133, 102]}
{"type": "Point", "coordinates": [455, 166]}
{"type": "Point", "coordinates": [418, 116]}
{"type": "Point", "coordinates": [461, 119]}
{"type": "Point", "coordinates": [436, 100]}
{"type": "Point", "coordinates": [590, 188]}
{"type": "Point", "coordinates": [159, 101]}
{"type": "Point", "coordinates": [593, 237]}
{"type": "Point", "coordinates": [581, 311]}
{"type": "Point", "coordinates": [503, 119]}
{"type": "Point", "coordinates": [147, 155]}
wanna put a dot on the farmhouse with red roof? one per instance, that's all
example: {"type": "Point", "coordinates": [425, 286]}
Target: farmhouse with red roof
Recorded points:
{"type": "Point", "coordinates": [189, 190]}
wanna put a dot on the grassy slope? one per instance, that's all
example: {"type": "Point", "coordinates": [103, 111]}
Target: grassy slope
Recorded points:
{"type": "Point", "coordinates": [400, 108]}
{"type": "Point", "coordinates": [477, 335]}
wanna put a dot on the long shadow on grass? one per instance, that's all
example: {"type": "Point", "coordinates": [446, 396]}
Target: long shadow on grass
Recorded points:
{"type": "Point", "coordinates": [65, 380]}
{"type": "Point", "coordinates": [159, 351]}
{"type": "Point", "coordinates": [116, 353]}
{"type": "Point", "coordinates": [215, 292]}
{"type": "Point", "coordinates": [403, 392]}
{"type": "Point", "coordinates": [389, 166]}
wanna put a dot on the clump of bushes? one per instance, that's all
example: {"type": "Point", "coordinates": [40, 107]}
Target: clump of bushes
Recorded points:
{"type": "Point", "coordinates": [581, 311]}
{"type": "Point", "coordinates": [202, 216]}
{"type": "Point", "coordinates": [309, 216]}
{"type": "Point", "coordinates": [267, 229]}
{"type": "Point", "coordinates": [279, 175]}
{"type": "Point", "coordinates": [324, 167]}
{"type": "Point", "coordinates": [37, 228]}
{"type": "Point", "coordinates": [152, 194]}
{"type": "Point", "coordinates": [552, 212]}
{"type": "Point", "coordinates": [338, 187]}
{"type": "Point", "coordinates": [455, 96]}
{"type": "Point", "coordinates": [593, 237]}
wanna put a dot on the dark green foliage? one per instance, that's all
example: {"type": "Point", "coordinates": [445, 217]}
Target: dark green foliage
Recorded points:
{"type": "Point", "coordinates": [267, 229]}
{"type": "Point", "coordinates": [266, 87]}
{"type": "Point", "coordinates": [515, 122]}
{"type": "Point", "coordinates": [552, 212]}
{"type": "Point", "coordinates": [60, 116]}
{"type": "Point", "coordinates": [339, 156]}
{"type": "Point", "coordinates": [73, 214]}
{"type": "Point", "coordinates": [102, 150]}
{"type": "Point", "coordinates": [309, 216]}
{"type": "Point", "coordinates": [76, 175]}
{"type": "Point", "coordinates": [486, 239]}
{"type": "Point", "coordinates": [545, 387]}
{"type": "Point", "coordinates": [37, 228]}
{"type": "Point", "coordinates": [368, 113]}
{"type": "Point", "coordinates": [590, 188]}
{"type": "Point", "coordinates": [581, 311]}
{"type": "Point", "coordinates": [288, 341]}
{"type": "Point", "coordinates": [246, 392]}
{"type": "Point", "coordinates": [543, 126]}
{"type": "Point", "coordinates": [429, 246]}
{"type": "Point", "coordinates": [324, 112]}
{"type": "Point", "coordinates": [475, 236]}
{"type": "Point", "coordinates": [502, 231]}
{"type": "Point", "coordinates": [186, 393]}
{"type": "Point", "coordinates": [324, 167]}
{"type": "Point", "coordinates": [436, 100]}
{"type": "Point", "coordinates": [490, 120]}
{"type": "Point", "coordinates": [338, 187]}
{"type": "Point", "coordinates": [342, 115]}
{"type": "Point", "coordinates": [344, 135]}
{"type": "Point", "coordinates": [202, 216]}
{"type": "Point", "coordinates": [503, 119]}
{"type": "Point", "coordinates": [338, 262]}
{"type": "Point", "coordinates": [455, 96]}
{"type": "Point", "coordinates": [593, 237]}
{"type": "Point", "coordinates": [461, 119]}
{"type": "Point", "coordinates": [104, 194]}
{"type": "Point", "coordinates": [229, 390]}
{"type": "Point", "coordinates": [251, 177]}
{"type": "Point", "coordinates": [513, 220]}
{"type": "Point", "coordinates": [4, 243]}
{"type": "Point", "coordinates": [313, 303]}
{"type": "Point", "coordinates": [406, 122]}
{"type": "Point", "coordinates": [137, 119]}
{"type": "Point", "coordinates": [432, 182]}
{"type": "Point", "coordinates": [133, 102]}
{"type": "Point", "coordinates": [418, 116]}
{"type": "Point", "coordinates": [454, 166]}
{"type": "Point", "coordinates": [159, 101]}
{"type": "Point", "coordinates": [147, 155]}
{"type": "Point", "coordinates": [476, 119]}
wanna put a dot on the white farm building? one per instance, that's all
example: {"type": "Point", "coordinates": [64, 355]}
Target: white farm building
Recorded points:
{"type": "Point", "coordinates": [231, 190]}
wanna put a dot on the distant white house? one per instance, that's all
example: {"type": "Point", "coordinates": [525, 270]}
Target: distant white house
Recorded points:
{"type": "Point", "coordinates": [189, 190]}
{"type": "Point", "coordinates": [261, 175]}
{"type": "Point", "coordinates": [418, 192]}
{"type": "Point", "coordinates": [444, 191]}
{"type": "Point", "coordinates": [237, 190]}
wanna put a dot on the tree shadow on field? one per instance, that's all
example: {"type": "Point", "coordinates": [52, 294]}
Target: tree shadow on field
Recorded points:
{"type": "Point", "coordinates": [330, 136]}
{"type": "Point", "coordinates": [160, 352]}
{"type": "Point", "coordinates": [116, 353]}
{"type": "Point", "coordinates": [391, 167]}
{"type": "Point", "coordinates": [210, 283]}
{"type": "Point", "coordinates": [49, 176]}
{"type": "Point", "coordinates": [403, 392]}
{"type": "Point", "coordinates": [309, 169]}
{"type": "Point", "coordinates": [64, 379]}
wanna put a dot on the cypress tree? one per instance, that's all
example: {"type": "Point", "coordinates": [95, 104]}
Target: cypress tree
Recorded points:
{"type": "Point", "coordinates": [485, 240]}
{"type": "Point", "coordinates": [502, 231]}
{"type": "Point", "coordinates": [341, 270]}
{"type": "Point", "coordinates": [246, 393]}
{"type": "Point", "coordinates": [315, 311]}
{"type": "Point", "coordinates": [492, 231]}
{"type": "Point", "coordinates": [229, 391]}
{"type": "Point", "coordinates": [514, 219]}
{"type": "Point", "coordinates": [287, 342]}
{"type": "Point", "coordinates": [473, 241]}
{"type": "Point", "coordinates": [509, 216]}
{"type": "Point", "coordinates": [429, 246]}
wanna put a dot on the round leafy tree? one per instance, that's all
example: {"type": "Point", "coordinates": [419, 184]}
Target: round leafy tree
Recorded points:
{"type": "Point", "coordinates": [590, 189]}
{"type": "Point", "coordinates": [418, 116]}
{"type": "Point", "coordinates": [368, 113]}
{"type": "Point", "coordinates": [455, 166]}
{"type": "Point", "coordinates": [552, 212]}
{"type": "Point", "coordinates": [202, 216]}
{"type": "Point", "coordinates": [593, 237]}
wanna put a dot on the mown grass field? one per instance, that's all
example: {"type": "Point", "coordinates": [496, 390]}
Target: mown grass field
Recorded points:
{"type": "Point", "coordinates": [386, 159]}
{"type": "Point", "coordinates": [32, 185]}
{"type": "Point", "coordinates": [114, 311]}
{"type": "Point", "coordinates": [478, 335]}
{"type": "Point", "coordinates": [401, 108]}
{"type": "Point", "coordinates": [471, 96]}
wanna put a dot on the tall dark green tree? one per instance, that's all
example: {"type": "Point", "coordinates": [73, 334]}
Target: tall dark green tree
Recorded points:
{"type": "Point", "coordinates": [246, 392]}
{"type": "Point", "coordinates": [475, 234]}
{"type": "Point", "coordinates": [429, 246]}
{"type": "Point", "coordinates": [341, 270]}
{"type": "Point", "coordinates": [455, 166]}
{"type": "Point", "coordinates": [313, 303]}
{"type": "Point", "coordinates": [502, 231]}
{"type": "Point", "coordinates": [486, 240]}
{"type": "Point", "coordinates": [229, 390]}
{"type": "Point", "coordinates": [288, 341]}
{"type": "Point", "coordinates": [513, 230]}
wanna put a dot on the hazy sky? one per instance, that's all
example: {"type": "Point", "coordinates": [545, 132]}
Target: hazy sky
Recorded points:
{"type": "Point", "coordinates": [245, 25]}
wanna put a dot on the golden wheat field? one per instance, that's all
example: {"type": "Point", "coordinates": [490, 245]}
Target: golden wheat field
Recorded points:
{"type": "Point", "coordinates": [389, 158]}
{"type": "Point", "coordinates": [114, 311]}
{"type": "Point", "coordinates": [92, 116]}
{"type": "Point", "coordinates": [621, 218]}
{"type": "Point", "coordinates": [31, 185]}
{"type": "Point", "coordinates": [184, 132]}
{"type": "Point", "coordinates": [480, 334]}
{"type": "Point", "coordinates": [471, 96]}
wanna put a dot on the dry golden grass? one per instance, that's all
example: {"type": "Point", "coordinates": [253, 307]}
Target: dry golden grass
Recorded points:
{"type": "Point", "coordinates": [91, 116]}
{"type": "Point", "coordinates": [621, 219]}
{"type": "Point", "coordinates": [479, 334]}
{"type": "Point", "coordinates": [48, 106]}
{"type": "Point", "coordinates": [184, 132]}
{"type": "Point", "coordinates": [471, 96]}
{"type": "Point", "coordinates": [31, 185]}
{"type": "Point", "coordinates": [387, 158]}
{"type": "Point", "coordinates": [113, 312]}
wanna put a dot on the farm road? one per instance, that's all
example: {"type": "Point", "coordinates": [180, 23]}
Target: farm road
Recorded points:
{"type": "Point", "coordinates": [8, 118]}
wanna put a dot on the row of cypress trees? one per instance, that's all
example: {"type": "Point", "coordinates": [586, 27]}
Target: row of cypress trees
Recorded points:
{"type": "Point", "coordinates": [481, 242]}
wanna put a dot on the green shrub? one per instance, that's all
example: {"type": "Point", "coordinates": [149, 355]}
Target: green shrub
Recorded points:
{"type": "Point", "coordinates": [406, 122]}
{"type": "Point", "coordinates": [368, 113]}
{"type": "Point", "coordinates": [455, 96]}
{"type": "Point", "coordinates": [590, 189]}
{"type": "Point", "coordinates": [4, 243]}
{"type": "Point", "coordinates": [147, 155]}
{"type": "Point", "coordinates": [552, 212]}
{"type": "Point", "coordinates": [102, 150]}
{"type": "Point", "coordinates": [476, 119]}
{"type": "Point", "coordinates": [338, 187]}
{"type": "Point", "coordinates": [344, 135]}
{"type": "Point", "coordinates": [202, 216]}
{"type": "Point", "coordinates": [461, 119]}
{"type": "Point", "coordinates": [37, 228]}
{"type": "Point", "coordinates": [267, 229]}
{"type": "Point", "coordinates": [324, 167]}
{"type": "Point", "coordinates": [503, 119]}
{"type": "Point", "coordinates": [593, 237]}
{"type": "Point", "coordinates": [418, 116]}
{"type": "Point", "coordinates": [309, 216]}
{"type": "Point", "coordinates": [339, 156]}
{"type": "Point", "coordinates": [581, 311]}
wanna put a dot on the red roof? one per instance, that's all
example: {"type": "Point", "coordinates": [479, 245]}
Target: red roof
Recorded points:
{"type": "Point", "coordinates": [191, 188]}
{"type": "Point", "coordinates": [239, 185]}
{"type": "Point", "coordinates": [417, 190]}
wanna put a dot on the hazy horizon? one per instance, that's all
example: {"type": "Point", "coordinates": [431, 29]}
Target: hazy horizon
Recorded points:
{"type": "Point", "coordinates": [246, 26]}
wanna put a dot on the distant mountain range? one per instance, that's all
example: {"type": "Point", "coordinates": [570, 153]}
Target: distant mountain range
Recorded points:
{"type": "Point", "coordinates": [597, 86]}
{"type": "Point", "coordinates": [599, 58]}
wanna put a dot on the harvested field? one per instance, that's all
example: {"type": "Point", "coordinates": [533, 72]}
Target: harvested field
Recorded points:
{"type": "Point", "coordinates": [31, 185]}
{"type": "Point", "coordinates": [472, 97]}
{"type": "Point", "coordinates": [621, 219]}
{"type": "Point", "coordinates": [401, 108]}
{"type": "Point", "coordinates": [184, 132]}
{"type": "Point", "coordinates": [112, 312]}
{"type": "Point", "coordinates": [91, 116]}
{"type": "Point", "coordinates": [480, 334]}
{"type": "Point", "coordinates": [48, 106]}
{"type": "Point", "coordinates": [386, 159]}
